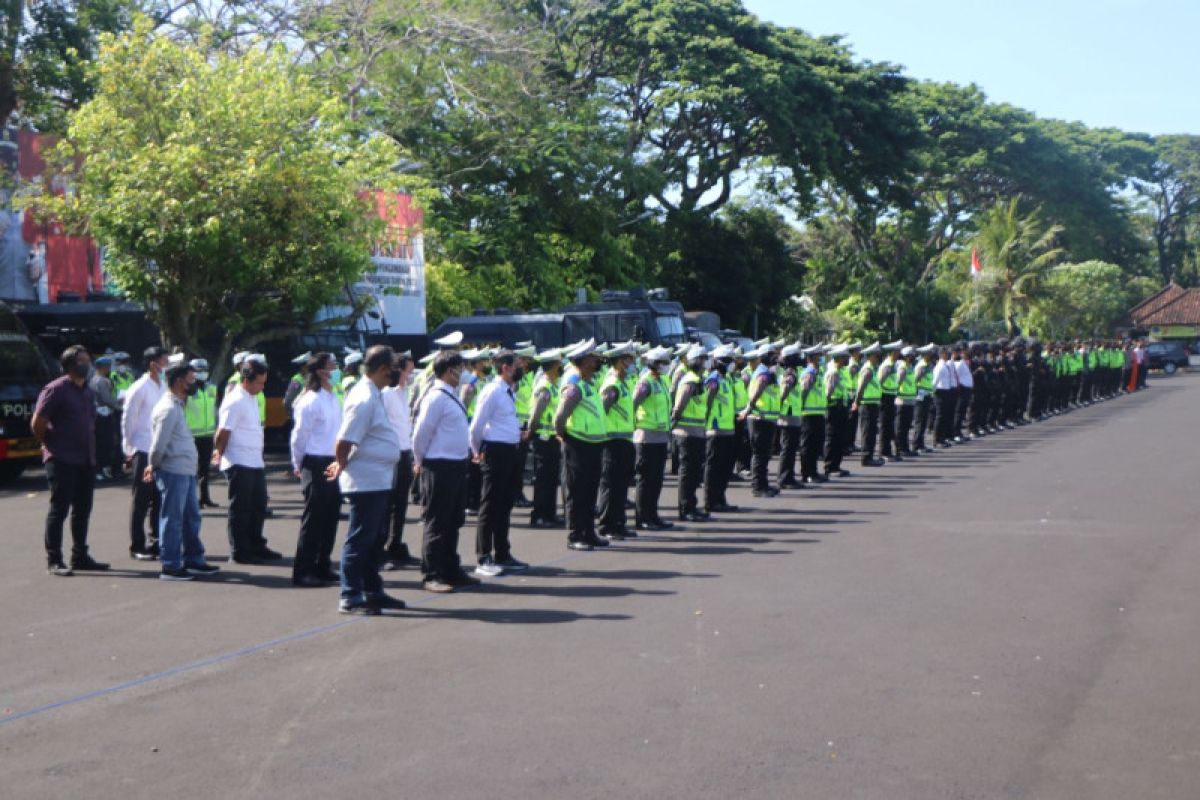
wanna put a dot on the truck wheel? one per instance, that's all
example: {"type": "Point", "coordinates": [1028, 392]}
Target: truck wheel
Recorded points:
{"type": "Point", "coordinates": [1170, 368]}
{"type": "Point", "coordinates": [10, 472]}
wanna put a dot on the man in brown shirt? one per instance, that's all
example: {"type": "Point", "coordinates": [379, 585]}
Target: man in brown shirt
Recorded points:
{"type": "Point", "coordinates": [64, 421]}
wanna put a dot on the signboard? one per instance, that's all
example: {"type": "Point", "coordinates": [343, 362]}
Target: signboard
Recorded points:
{"type": "Point", "coordinates": [398, 282]}
{"type": "Point", "coordinates": [38, 262]}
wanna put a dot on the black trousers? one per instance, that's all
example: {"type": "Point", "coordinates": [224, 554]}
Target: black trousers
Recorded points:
{"type": "Point", "coordinates": [762, 439]}
{"type": "Point", "coordinates": [318, 520]}
{"type": "Point", "coordinates": [851, 433]}
{"type": "Point", "coordinates": [741, 431]}
{"type": "Point", "coordinates": [147, 502]}
{"type": "Point", "coordinates": [651, 462]}
{"type": "Point", "coordinates": [868, 421]}
{"type": "Point", "coordinates": [944, 401]}
{"type": "Point", "coordinates": [522, 460]}
{"type": "Point", "coordinates": [789, 448]}
{"type": "Point", "coordinates": [443, 487]}
{"type": "Point", "coordinates": [812, 440]}
{"type": "Point", "coordinates": [106, 442]}
{"type": "Point", "coordinates": [247, 504]}
{"type": "Point", "coordinates": [474, 485]}
{"type": "Point", "coordinates": [720, 453]}
{"type": "Point", "coordinates": [962, 403]}
{"type": "Point", "coordinates": [921, 417]}
{"type": "Point", "coordinates": [547, 463]}
{"type": "Point", "coordinates": [394, 549]}
{"type": "Point", "coordinates": [691, 470]}
{"type": "Point", "coordinates": [887, 424]}
{"type": "Point", "coordinates": [615, 476]}
{"type": "Point", "coordinates": [500, 478]}
{"type": "Point", "coordinates": [837, 418]}
{"type": "Point", "coordinates": [904, 423]}
{"type": "Point", "coordinates": [583, 462]}
{"type": "Point", "coordinates": [71, 489]}
{"type": "Point", "coordinates": [204, 449]}
{"type": "Point", "coordinates": [977, 411]}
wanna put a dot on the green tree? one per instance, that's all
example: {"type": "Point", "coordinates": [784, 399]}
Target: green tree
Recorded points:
{"type": "Point", "coordinates": [1080, 300]}
{"type": "Point", "coordinates": [1017, 253]}
{"type": "Point", "coordinates": [1172, 193]}
{"type": "Point", "coordinates": [226, 190]}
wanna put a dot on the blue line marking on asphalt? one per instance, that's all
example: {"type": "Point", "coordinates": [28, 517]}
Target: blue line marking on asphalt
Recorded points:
{"type": "Point", "coordinates": [225, 657]}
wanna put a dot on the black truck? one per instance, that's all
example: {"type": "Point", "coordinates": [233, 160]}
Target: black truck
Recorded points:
{"type": "Point", "coordinates": [645, 316]}
{"type": "Point", "coordinates": [25, 367]}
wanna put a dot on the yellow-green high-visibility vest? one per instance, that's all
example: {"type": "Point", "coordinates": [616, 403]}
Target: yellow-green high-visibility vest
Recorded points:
{"type": "Point", "coordinates": [693, 415]}
{"type": "Point", "coordinates": [654, 414]}
{"type": "Point", "coordinates": [872, 391]}
{"type": "Point", "coordinates": [586, 422]}
{"type": "Point", "coordinates": [545, 425]}
{"type": "Point", "coordinates": [813, 404]}
{"type": "Point", "coordinates": [201, 411]}
{"type": "Point", "coordinates": [723, 413]}
{"type": "Point", "coordinates": [618, 420]}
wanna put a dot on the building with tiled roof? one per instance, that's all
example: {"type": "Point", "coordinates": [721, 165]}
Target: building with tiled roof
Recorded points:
{"type": "Point", "coordinates": [1173, 312]}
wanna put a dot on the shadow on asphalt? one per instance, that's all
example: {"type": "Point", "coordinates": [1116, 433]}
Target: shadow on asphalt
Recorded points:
{"type": "Point", "coordinates": [508, 587]}
{"type": "Point", "coordinates": [509, 616]}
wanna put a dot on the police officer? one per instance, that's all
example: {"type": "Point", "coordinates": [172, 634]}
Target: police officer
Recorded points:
{"type": "Point", "coordinates": [579, 425]}
{"type": "Point", "coordinates": [652, 431]}
{"type": "Point", "coordinates": [789, 415]}
{"type": "Point", "coordinates": [762, 409]}
{"type": "Point", "coordinates": [838, 395]}
{"type": "Point", "coordinates": [619, 451]}
{"type": "Point", "coordinates": [547, 452]}
{"type": "Point", "coordinates": [813, 402]}
{"type": "Point", "coordinates": [906, 400]}
{"type": "Point", "coordinates": [201, 414]}
{"type": "Point", "coordinates": [523, 397]}
{"type": "Point", "coordinates": [852, 366]}
{"type": "Point", "coordinates": [887, 401]}
{"type": "Point", "coordinates": [866, 402]}
{"type": "Point", "coordinates": [923, 414]}
{"type": "Point", "coordinates": [296, 382]}
{"type": "Point", "coordinates": [689, 417]}
{"type": "Point", "coordinates": [721, 432]}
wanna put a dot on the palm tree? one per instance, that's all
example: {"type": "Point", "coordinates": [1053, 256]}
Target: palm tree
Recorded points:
{"type": "Point", "coordinates": [1017, 253]}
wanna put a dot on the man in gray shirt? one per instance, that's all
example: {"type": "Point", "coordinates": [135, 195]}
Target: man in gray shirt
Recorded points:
{"type": "Point", "coordinates": [172, 468]}
{"type": "Point", "coordinates": [108, 420]}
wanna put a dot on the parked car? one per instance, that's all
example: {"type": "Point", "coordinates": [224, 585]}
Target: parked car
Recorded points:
{"type": "Point", "coordinates": [1167, 356]}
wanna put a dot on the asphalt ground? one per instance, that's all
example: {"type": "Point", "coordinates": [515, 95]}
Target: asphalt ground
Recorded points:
{"type": "Point", "coordinates": [1013, 618]}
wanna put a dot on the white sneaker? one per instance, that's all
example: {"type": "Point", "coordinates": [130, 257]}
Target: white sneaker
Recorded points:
{"type": "Point", "coordinates": [488, 569]}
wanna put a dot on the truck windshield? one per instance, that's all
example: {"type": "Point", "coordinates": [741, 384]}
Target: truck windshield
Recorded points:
{"type": "Point", "coordinates": [670, 329]}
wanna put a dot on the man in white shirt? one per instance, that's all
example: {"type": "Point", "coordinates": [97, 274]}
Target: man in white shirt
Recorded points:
{"type": "Point", "coordinates": [495, 438]}
{"type": "Point", "coordinates": [396, 553]}
{"type": "Point", "coordinates": [238, 450]}
{"type": "Point", "coordinates": [944, 398]}
{"type": "Point", "coordinates": [966, 384]}
{"type": "Point", "coordinates": [365, 457]}
{"type": "Point", "coordinates": [317, 417]}
{"type": "Point", "coordinates": [136, 437]}
{"type": "Point", "coordinates": [441, 447]}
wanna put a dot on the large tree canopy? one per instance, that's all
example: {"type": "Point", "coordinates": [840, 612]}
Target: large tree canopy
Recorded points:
{"type": "Point", "coordinates": [227, 191]}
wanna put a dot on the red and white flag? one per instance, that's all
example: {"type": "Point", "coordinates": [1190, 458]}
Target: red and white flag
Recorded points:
{"type": "Point", "coordinates": [976, 267]}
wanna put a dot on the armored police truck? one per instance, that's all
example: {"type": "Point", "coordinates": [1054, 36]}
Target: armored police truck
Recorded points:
{"type": "Point", "coordinates": [25, 367]}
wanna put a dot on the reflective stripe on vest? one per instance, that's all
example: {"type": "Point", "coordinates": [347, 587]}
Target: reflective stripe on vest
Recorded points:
{"type": "Point", "coordinates": [888, 385]}
{"type": "Point", "coordinates": [522, 397]}
{"type": "Point", "coordinates": [907, 389]}
{"type": "Point", "coordinates": [767, 407]}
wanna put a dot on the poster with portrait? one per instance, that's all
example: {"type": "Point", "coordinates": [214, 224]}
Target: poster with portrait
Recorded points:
{"type": "Point", "coordinates": [39, 262]}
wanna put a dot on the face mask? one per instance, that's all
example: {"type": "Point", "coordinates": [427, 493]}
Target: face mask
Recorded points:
{"type": "Point", "coordinates": [201, 376]}
{"type": "Point", "coordinates": [192, 389]}
{"type": "Point", "coordinates": [336, 376]}
{"type": "Point", "coordinates": [80, 370]}
{"type": "Point", "coordinates": [487, 370]}
{"type": "Point", "coordinates": [518, 374]}
{"type": "Point", "coordinates": [394, 380]}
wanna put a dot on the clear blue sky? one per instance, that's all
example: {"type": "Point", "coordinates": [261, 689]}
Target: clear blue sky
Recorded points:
{"type": "Point", "coordinates": [1130, 64]}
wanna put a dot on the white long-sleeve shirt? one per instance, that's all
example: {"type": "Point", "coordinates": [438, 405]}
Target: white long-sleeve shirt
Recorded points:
{"type": "Point", "coordinates": [495, 416]}
{"type": "Point", "coordinates": [441, 431]}
{"type": "Point", "coordinates": [136, 432]}
{"type": "Point", "coordinates": [963, 372]}
{"type": "Point", "coordinates": [318, 415]}
{"type": "Point", "coordinates": [395, 400]}
{"type": "Point", "coordinates": [942, 377]}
